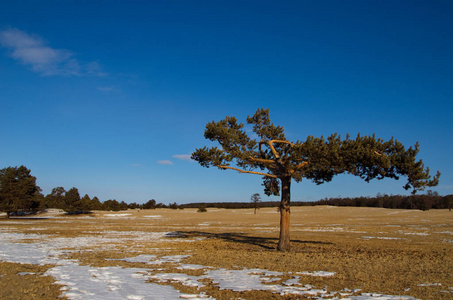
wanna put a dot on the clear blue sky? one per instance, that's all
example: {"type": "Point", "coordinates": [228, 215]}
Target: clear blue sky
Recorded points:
{"type": "Point", "coordinates": [112, 96]}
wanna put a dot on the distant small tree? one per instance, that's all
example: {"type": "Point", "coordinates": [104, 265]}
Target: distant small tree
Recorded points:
{"type": "Point", "coordinates": [111, 204]}
{"type": "Point", "coordinates": [202, 208]}
{"type": "Point", "coordinates": [173, 205]}
{"type": "Point", "coordinates": [160, 205]}
{"type": "Point", "coordinates": [150, 204]}
{"type": "Point", "coordinates": [448, 200]}
{"type": "Point", "coordinates": [85, 203]}
{"type": "Point", "coordinates": [95, 204]}
{"type": "Point", "coordinates": [256, 199]}
{"type": "Point", "coordinates": [56, 198]}
{"type": "Point", "coordinates": [72, 200]}
{"type": "Point", "coordinates": [133, 205]}
{"type": "Point", "coordinates": [123, 205]}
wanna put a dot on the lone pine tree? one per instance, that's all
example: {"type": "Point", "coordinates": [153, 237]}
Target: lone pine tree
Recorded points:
{"type": "Point", "coordinates": [318, 159]}
{"type": "Point", "coordinates": [255, 201]}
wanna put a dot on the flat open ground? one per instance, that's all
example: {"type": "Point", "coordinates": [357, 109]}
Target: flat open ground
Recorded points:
{"type": "Point", "coordinates": [337, 252]}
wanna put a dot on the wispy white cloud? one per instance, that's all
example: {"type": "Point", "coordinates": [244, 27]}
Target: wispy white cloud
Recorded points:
{"type": "Point", "coordinates": [93, 68]}
{"type": "Point", "coordinates": [183, 157]}
{"type": "Point", "coordinates": [108, 89]}
{"type": "Point", "coordinates": [165, 162]}
{"type": "Point", "coordinates": [31, 50]}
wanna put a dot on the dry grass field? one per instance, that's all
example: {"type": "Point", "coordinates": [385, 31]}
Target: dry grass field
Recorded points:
{"type": "Point", "coordinates": [363, 253]}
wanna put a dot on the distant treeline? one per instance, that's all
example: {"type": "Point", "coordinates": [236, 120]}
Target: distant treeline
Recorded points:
{"type": "Point", "coordinates": [430, 200]}
{"type": "Point", "coordinates": [19, 194]}
{"type": "Point", "coordinates": [71, 202]}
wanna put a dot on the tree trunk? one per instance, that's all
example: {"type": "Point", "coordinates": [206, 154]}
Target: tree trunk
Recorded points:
{"type": "Point", "coordinates": [284, 240]}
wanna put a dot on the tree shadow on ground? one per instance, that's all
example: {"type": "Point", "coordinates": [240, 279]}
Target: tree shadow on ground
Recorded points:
{"type": "Point", "coordinates": [267, 243]}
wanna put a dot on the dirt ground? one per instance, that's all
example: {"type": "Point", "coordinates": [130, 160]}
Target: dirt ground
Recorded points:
{"type": "Point", "coordinates": [393, 252]}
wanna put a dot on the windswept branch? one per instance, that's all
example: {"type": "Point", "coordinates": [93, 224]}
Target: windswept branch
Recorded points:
{"type": "Point", "coordinates": [379, 154]}
{"type": "Point", "coordinates": [271, 146]}
{"type": "Point", "coordinates": [301, 165]}
{"type": "Point", "coordinates": [248, 172]}
{"type": "Point", "coordinates": [262, 160]}
{"type": "Point", "coordinates": [281, 142]}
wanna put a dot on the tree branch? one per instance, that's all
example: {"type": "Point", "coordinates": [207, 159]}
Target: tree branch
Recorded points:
{"type": "Point", "coordinates": [271, 146]}
{"type": "Point", "coordinates": [281, 142]}
{"type": "Point", "coordinates": [299, 166]}
{"type": "Point", "coordinates": [380, 154]}
{"type": "Point", "coordinates": [262, 160]}
{"type": "Point", "coordinates": [249, 172]}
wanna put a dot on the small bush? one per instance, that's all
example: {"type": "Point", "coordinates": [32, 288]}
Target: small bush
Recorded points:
{"type": "Point", "coordinates": [202, 208]}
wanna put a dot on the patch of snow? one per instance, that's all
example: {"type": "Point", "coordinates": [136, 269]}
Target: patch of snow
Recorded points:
{"type": "Point", "coordinates": [398, 212]}
{"type": "Point", "coordinates": [152, 259]}
{"type": "Point", "coordinates": [143, 258]}
{"type": "Point", "coordinates": [429, 284]}
{"type": "Point", "coordinates": [204, 224]}
{"type": "Point", "coordinates": [192, 267]}
{"type": "Point", "coordinates": [374, 296]}
{"type": "Point", "coordinates": [292, 281]}
{"type": "Point", "coordinates": [324, 229]}
{"type": "Point", "coordinates": [415, 233]}
{"type": "Point", "coordinates": [239, 280]}
{"type": "Point", "coordinates": [182, 278]}
{"type": "Point", "coordinates": [317, 273]}
{"type": "Point", "coordinates": [329, 229]}
{"type": "Point", "coordinates": [85, 282]}
{"type": "Point", "coordinates": [116, 215]}
{"type": "Point", "coordinates": [380, 238]}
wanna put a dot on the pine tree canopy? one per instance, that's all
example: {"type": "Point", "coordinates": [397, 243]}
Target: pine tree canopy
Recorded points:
{"type": "Point", "coordinates": [317, 158]}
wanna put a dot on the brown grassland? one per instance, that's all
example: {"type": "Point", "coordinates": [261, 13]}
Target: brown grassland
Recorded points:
{"type": "Point", "coordinates": [378, 250]}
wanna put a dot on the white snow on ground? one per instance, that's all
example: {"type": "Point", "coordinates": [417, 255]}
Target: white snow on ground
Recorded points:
{"type": "Point", "coordinates": [380, 238]}
{"type": "Point", "coordinates": [192, 267]}
{"type": "Point", "coordinates": [329, 229]}
{"type": "Point", "coordinates": [204, 224]}
{"type": "Point", "coordinates": [447, 232]}
{"type": "Point", "coordinates": [153, 260]}
{"type": "Point", "coordinates": [429, 284]}
{"type": "Point", "coordinates": [116, 215]}
{"type": "Point", "coordinates": [240, 280]}
{"type": "Point", "coordinates": [182, 278]}
{"type": "Point", "coordinates": [85, 282]}
{"type": "Point", "coordinates": [317, 273]}
{"type": "Point", "coordinates": [88, 282]}
{"type": "Point", "coordinates": [414, 233]}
